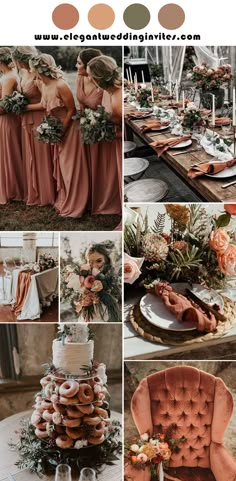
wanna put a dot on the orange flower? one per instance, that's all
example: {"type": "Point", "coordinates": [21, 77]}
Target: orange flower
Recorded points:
{"type": "Point", "coordinates": [181, 246]}
{"type": "Point", "coordinates": [230, 208]}
{"type": "Point", "coordinates": [134, 459]}
{"type": "Point", "coordinates": [166, 454]}
{"type": "Point", "coordinates": [219, 240]}
{"type": "Point", "coordinates": [227, 261]}
{"type": "Point", "coordinates": [179, 213]}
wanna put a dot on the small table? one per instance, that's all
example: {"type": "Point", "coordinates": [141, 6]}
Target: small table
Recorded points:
{"type": "Point", "coordinates": [8, 458]}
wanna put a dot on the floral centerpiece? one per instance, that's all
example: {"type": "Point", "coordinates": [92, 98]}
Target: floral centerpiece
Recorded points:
{"type": "Point", "coordinates": [45, 262]}
{"type": "Point", "coordinates": [193, 117]}
{"type": "Point", "coordinates": [153, 452]}
{"type": "Point", "coordinates": [14, 103]}
{"type": "Point", "coordinates": [210, 80]}
{"type": "Point", "coordinates": [95, 125]}
{"type": "Point", "coordinates": [143, 97]}
{"type": "Point", "coordinates": [198, 248]}
{"type": "Point", "coordinates": [50, 130]}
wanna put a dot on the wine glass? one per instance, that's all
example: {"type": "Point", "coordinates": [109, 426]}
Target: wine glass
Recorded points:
{"type": "Point", "coordinates": [226, 129]}
{"type": "Point", "coordinates": [87, 474]}
{"type": "Point", "coordinates": [63, 473]}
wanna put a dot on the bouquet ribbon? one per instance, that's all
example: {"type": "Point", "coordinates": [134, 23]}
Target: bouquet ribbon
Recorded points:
{"type": "Point", "coordinates": [209, 168]}
{"type": "Point", "coordinates": [162, 145]}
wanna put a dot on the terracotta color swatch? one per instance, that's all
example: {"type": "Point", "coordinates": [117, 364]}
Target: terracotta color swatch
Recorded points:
{"type": "Point", "coordinates": [65, 16]}
{"type": "Point", "coordinates": [136, 16]}
{"type": "Point", "coordinates": [101, 16]}
{"type": "Point", "coordinates": [171, 16]}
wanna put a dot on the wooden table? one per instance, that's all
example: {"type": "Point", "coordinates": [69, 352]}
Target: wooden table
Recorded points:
{"type": "Point", "coordinates": [136, 347]}
{"type": "Point", "coordinates": [8, 428]}
{"type": "Point", "coordinates": [209, 189]}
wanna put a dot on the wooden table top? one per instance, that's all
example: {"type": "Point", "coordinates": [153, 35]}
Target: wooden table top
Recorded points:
{"type": "Point", "coordinates": [209, 189]}
{"type": "Point", "coordinates": [8, 458]}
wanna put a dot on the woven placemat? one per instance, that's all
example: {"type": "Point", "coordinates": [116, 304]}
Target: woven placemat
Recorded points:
{"type": "Point", "coordinates": [156, 334]}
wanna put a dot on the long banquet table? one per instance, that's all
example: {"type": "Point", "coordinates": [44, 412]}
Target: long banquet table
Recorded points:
{"type": "Point", "coordinates": [210, 190]}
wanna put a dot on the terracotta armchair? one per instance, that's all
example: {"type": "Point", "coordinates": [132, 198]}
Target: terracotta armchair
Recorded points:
{"type": "Point", "coordinates": [200, 407]}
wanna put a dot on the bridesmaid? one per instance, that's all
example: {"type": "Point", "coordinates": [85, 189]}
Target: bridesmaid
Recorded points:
{"type": "Point", "coordinates": [107, 169]}
{"type": "Point", "coordinates": [88, 95]}
{"type": "Point", "coordinates": [11, 174]}
{"type": "Point", "coordinates": [39, 186]}
{"type": "Point", "coordinates": [70, 166]}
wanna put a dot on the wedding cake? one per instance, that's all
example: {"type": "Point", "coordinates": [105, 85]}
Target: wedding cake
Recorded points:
{"type": "Point", "coordinates": [71, 410]}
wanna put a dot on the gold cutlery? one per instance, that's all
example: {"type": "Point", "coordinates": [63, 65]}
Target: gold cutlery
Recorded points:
{"type": "Point", "coordinates": [228, 185]}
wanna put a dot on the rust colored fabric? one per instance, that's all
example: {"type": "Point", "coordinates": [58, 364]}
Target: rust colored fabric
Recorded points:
{"type": "Point", "coordinates": [162, 145]}
{"type": "Point", "coordinates": [153, 124]}
{"type": "Point", "coordinates": [209, 168]}
{"type": "Point", "coordinates": [23, 285]}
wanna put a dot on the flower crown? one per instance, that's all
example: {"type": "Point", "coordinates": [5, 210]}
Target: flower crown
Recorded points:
{"type": "Point", "coordinates": [21, 57]}
{"type": "Point", "coordinates": [42, 67]}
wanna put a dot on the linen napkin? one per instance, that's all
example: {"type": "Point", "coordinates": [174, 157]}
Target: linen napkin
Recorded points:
{"type": "Point", "coordinates": [136, 115]}
{"type": "Point", "coordinates": [209, 168]}
{"type": "Point", "coordinates": [162, 145]}
{"type": "Point", "coordinates": [153, 124]}
{"type": "Point", "coordinates": [211, 149]}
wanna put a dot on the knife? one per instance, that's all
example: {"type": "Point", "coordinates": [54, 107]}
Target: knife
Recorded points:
{"type": "Point", "coordinates": [187, 152]}
{"type": "Point", "coordinates": [228, 185]}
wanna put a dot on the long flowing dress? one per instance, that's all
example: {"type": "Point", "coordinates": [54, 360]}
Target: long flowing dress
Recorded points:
{"type": "Point", "coordinates": [11, 172]}
{"type": "Point", "coordinates": [40, 186]}
{"type": "Point", "coordinates": [91, 100]}
{"type": "Point", "coordinates": [70, 164]}
{"type": "Point", "coordinates": [106, 197]}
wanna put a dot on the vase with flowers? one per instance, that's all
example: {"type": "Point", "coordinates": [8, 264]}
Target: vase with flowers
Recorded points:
{"type": "Point", "coordinates": [210, 81]}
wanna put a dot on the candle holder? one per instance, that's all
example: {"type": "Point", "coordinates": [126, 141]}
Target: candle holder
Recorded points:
{"type": "Point", "coordinates": [234, 129]}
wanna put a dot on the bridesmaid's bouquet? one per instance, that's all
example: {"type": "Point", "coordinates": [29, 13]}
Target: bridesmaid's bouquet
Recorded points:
{"type": "Point", "coordinates": [95, 125]}
{"type": "Point", "coordinates": [14, 103]}
{"type": "Point", "coordinates": [50, 130]}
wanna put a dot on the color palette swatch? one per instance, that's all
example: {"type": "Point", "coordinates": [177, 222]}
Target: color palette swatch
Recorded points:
{"type": "Point", "coordinates": [136, 16]}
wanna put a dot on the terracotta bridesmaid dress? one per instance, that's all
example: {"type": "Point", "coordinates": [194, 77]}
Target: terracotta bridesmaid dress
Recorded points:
{"type": "Point", "coordinates": [11, 172]}
{"type": "Point", "coordinates": [40, 186]}
{"type": "Point", "coordinates": [106, 197]}
{"type": "Point", "coordinates": [70, 165]}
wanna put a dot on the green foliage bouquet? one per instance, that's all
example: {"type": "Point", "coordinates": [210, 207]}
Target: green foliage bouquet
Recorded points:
{"type": "Point", "coordinates": [95, 125]}
{"type": "Point", "coordinates": [14, 103]}
{"type": "Point", "coordinates": [50, 130]}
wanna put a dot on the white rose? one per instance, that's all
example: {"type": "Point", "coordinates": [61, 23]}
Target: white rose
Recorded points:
{"type": "Point", "coordinates": [134, 448]}
{"type": "Point", "coordinates": [80, 444]}
{"type": "Point", "coordinates": [74, 282]}
{"type": "Point", "coordinates": [39, 130]}
{"type": "Point", "coordinates": [44, 125]}
{"type": "Point", "coordinates": [154, 442]}
{"type": "Point", "coordinates": [101, 372]}
{"type": "Point", "coordinates": [144, 437]}
{"type": "Point", "coordinates": [82, 121]}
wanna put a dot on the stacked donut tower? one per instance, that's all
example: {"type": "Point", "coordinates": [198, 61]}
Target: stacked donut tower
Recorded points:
{"type": "Point", "coordinates": [71, 410]}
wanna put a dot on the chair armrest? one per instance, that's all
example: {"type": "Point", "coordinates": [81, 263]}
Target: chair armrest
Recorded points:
{"type": "Point", "coordinates": [222, 463]}
{"type": "Point", "coordinates": [132, 474]}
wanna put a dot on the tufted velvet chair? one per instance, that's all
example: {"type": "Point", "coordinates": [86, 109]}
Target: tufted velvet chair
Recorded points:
{"type": "Point", "coordinates": [200, 407]}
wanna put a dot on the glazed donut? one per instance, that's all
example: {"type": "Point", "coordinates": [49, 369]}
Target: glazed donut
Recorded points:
{"type": "Point", "coordinates": [35, 418]}
{"type": "Point", "coordinates": [87, 409]}
{"type": "Point", "coordinates": [85, 394]}
{"type": "Point", "coordinates": [57, 418]}
{"type": "Point", "coordinates": [45, 380]}
{"type": "Point", "coordinates": [101, 396]}
{"type": "Point", "coordinates": [47, 415]}
{"type": "Point", "coordinates": [54, 398]}
{"type": "Point", "coordinates": [42, 434]}
{"type": "Point", "coordinates": [68, 401]}
{"type": "Point", "coordinates": [74, 412]}
{"type": "Point", "coordinates": [96, 380]}
{"type": "Point", "coordinates": [92, 420]}
{"type": "Point", "coordinates": [38, 399]}
{"type": "Point", "coordinates": [38, 407]}
{"type": "Point", "coordinates": [94, 440]}
{"type": "Point", "coordinates": [42, 426]}
{"type": "Point", "coordinates": [49, 389]}
{"type": "Point", "coordinates": [60, 429]}
{"type": "Point", "coordinates": [98, 403]}
{"type": "Point", "coordinates": [97, 388]}
{"type": "Point", "coordinates": [46, 404]}
{"type": "Point", "coordinates": [74, 433]}
{"type": "Point", "coordinates": [98, 430]}
{"type": "Point", "coordinates": [71, 423]}
{"type": "Point", "coordinates": [101, 412]}
{"type": "Point", "coordinates": [63, 441]}
{"type": "Point", "coordinates": [59, 409]}
{"type": "Point", "coordinates": [69, 388]}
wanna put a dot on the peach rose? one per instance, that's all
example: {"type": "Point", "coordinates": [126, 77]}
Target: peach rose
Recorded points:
{"type": "Point", "coordinates": [97, 286]}
{"type": "Point", "coordinates": [219, 240]}
{"type": "Point", "coordinates": [227, 261]}
{"type": "Point", "coordinates": [166, 454]}
{"type": "Point", "coordinates": [142, 458]}
{"type": "Point", "coordinates": [230, 208]}
{"type": "Point", "coordinates": [132, 268]}
{"type": "Point", "coordinates": [164, 446]}
{"type": "Point", "coordinates": [89, 281]}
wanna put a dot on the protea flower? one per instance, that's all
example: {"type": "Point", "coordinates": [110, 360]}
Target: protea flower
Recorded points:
{"type": "Point", "coordinates": [154, 247]}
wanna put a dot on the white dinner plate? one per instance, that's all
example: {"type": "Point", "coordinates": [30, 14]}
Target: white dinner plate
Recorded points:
{"type": "Point", "coordinates": [144, 116]}
{"type": "Point", "coordinates": [129, 146]}
{"type": "Point", "coordinates": [134, 166]}
{"type": "Point", "coordinates": [181, 145]}
{"type": "Point", "coordinates": [164, 127]}
{"type": "Point", "coordinates": [155, 311]}
{"type": "Point", "coordinates": [228, 172]}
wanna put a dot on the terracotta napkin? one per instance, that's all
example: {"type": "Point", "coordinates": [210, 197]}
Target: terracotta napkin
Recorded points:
{"type": "Point", "coordinates": [136, 115]}
{"type": "Point", "coordinates": [164, 144]}
{"type": "Point", "coordinates": [153, 124]}
{"type": "Point", "coordinates": [209, 168]}
{"type": "Point", "coordinates": [222, 120]}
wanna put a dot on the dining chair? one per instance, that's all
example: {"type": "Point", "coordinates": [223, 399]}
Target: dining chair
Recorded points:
{"type": "Point", "coordinates": [198, 406]}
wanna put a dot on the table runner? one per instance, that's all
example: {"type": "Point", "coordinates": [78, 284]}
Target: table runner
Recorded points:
{"type": "Point", "coordinates": [22, 290]}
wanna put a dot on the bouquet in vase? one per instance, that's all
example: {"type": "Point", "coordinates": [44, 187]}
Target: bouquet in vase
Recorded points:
{"type": "Point", "coordinates": [95, 125]}
{"type": "Point", "coordinates": [14, 103]}
{"type": "Point", "coordinates": [208, 78]}
{"type": "Point", "coordinates": [45, 262]}
{"type": "Point", "coordinates": [50, 130]}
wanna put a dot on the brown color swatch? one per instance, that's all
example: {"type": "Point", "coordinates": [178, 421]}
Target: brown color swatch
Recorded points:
{"type": "Point", "coordinates": [136, 16]}
{"type": "Point", "coordinates": [65, 16]}
{"type": "Point", "coordinates": [171, 16]}
{"type": "Point", "coordinates": [101, 16]}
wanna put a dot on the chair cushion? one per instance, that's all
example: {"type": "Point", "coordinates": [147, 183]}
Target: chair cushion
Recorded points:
{"type": "Point", "coordinates": [191, 474]}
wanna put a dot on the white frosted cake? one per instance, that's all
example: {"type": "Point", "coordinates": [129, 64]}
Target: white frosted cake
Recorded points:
{"type": "Point", "coordinates": [71, 357]}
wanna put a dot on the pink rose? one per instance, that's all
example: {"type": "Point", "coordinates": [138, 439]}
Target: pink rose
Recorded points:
{"type": "Point", "coordinates": [97, 286]}
{"type": "Point", "coordinates": [89, 281]}
{"type": "Point", "coordinates": [227, 261]}
{"type": "Point", "coordinates": [230, 208]}
{"type": "Point", "coordinates": [132, 267]}
{"type": "Point", "coordinates": [219, 240]}
{"type": "Point", "coordinates": [142, 458]}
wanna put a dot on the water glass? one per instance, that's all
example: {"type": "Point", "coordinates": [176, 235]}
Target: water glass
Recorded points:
{"type": "Point", "coordinates": [226, 129]}
{"type": "Point", "coordinates": [87, 474]}
{"type": "Point", "coordinates": [63, 473]}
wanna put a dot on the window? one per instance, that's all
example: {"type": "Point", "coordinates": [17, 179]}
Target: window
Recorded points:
{"type": "Point", "coordinates": [11, 239]}
{"type": "Point", "coordinates": [47, 239]}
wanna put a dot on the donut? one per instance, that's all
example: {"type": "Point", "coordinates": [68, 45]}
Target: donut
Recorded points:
{"type": "Point", "coordinates": [92, 420]}
{"type": "Point", "coordinates": [68, 401]}
{"type": "Point", "coordinates": [35, 418]}
{"type": "Point", "coordinates": [45, 380]}
{"type": "Point", "coordinates": [94, 440]}
{"type": "Point", "coordinates": [98, 430]}
{"type": "Point", "coordinates": [71, 423]}
{"type": "Point", "coordinates": [87, 409]}
{"type": "Point", "coordinates": [97, 388]}
{"type": "Point", "coordinates": [47, 415]}
{"type": "Point", "coordinates": [46, 404]}
{"type": "Point", "coordinates": [60, 429]}
{"type": "Point", "coordinates": [69, 388]}
{"type": "Point", "coordinates": [42, 434]}
{"type": "Point", "coordinates": [86, 394]}
{"type": "Point", "coordinates": [38, 399]}
{"type": "Point", "coordinates": [74, 412]}
{"type": "Point", "coordinates": [57, 418]}
{"type": "Point", "coordinates": [63, 441]}
{"type": "Point", "coordinates": [96, 380]}
{"type": "Point", "coordinates": [38, 407]}
{"type": "Point", "coordinates": [49, 389]}
{"type": "Point", "coordinates": [101, 412]}
{"type": "Point", "coordinates": [74, 433]}
{"type": "Point", "coordinates": [59, 409]}
{"type": "Point", "coordinates": [98, 403]}
{"type": "Point", "coordinates": [42, 426]}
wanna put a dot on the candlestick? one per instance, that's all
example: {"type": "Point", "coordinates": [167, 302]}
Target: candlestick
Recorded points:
{"type": "Point", "coordinates": [183, 100]}
{"type": "Point", "coordinates": [130, 74]}
{"type": "Point", "coordinates": [152, 93]}
{"type": "Point", "coordinates": [136, 83]}
{"type": "Point", "coordinates": [234, 113]}
{"type": "Point", "coordinates": [143, 79]}
{"type": "Point", "coordinates": [127, 73]}
{"type": "Point", "coordinates": [170, 85]}
{"type": "Point", "coordinates": [213, 111]}
{"type": "Point", "coordinates": [177, 91]}
{"type": "Point", "coordinates": [234, 141]}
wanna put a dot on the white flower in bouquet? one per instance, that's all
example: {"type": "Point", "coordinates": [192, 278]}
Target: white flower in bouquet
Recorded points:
{"type": "Point", "coordinates": [36, 267]}
{"type": "Point", "coordinates": [144, 437]}
{"type": "Point", "coordinates": [101, 372]}
{"type": "Point", "coordinates": [191, 106]}
{"type": "Point", "coordinates": [39, 129]}
{"type": "Point", "coordinates": [134, 448]}
{"type": "Point", "coordinates": [130, 216]}
{"type": "Point", "coordinates": [73, 282]}
{"type": "Point", "coordinates": [154, 442]}
{"type": "Point", "coordinates": [177, 130]}
{"type": "Point", "coordinates": [80, 443]}
{"type": "Point", "coordinates": [82, 121]}
{"type": "Point", "coordinates": [44, 125]}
